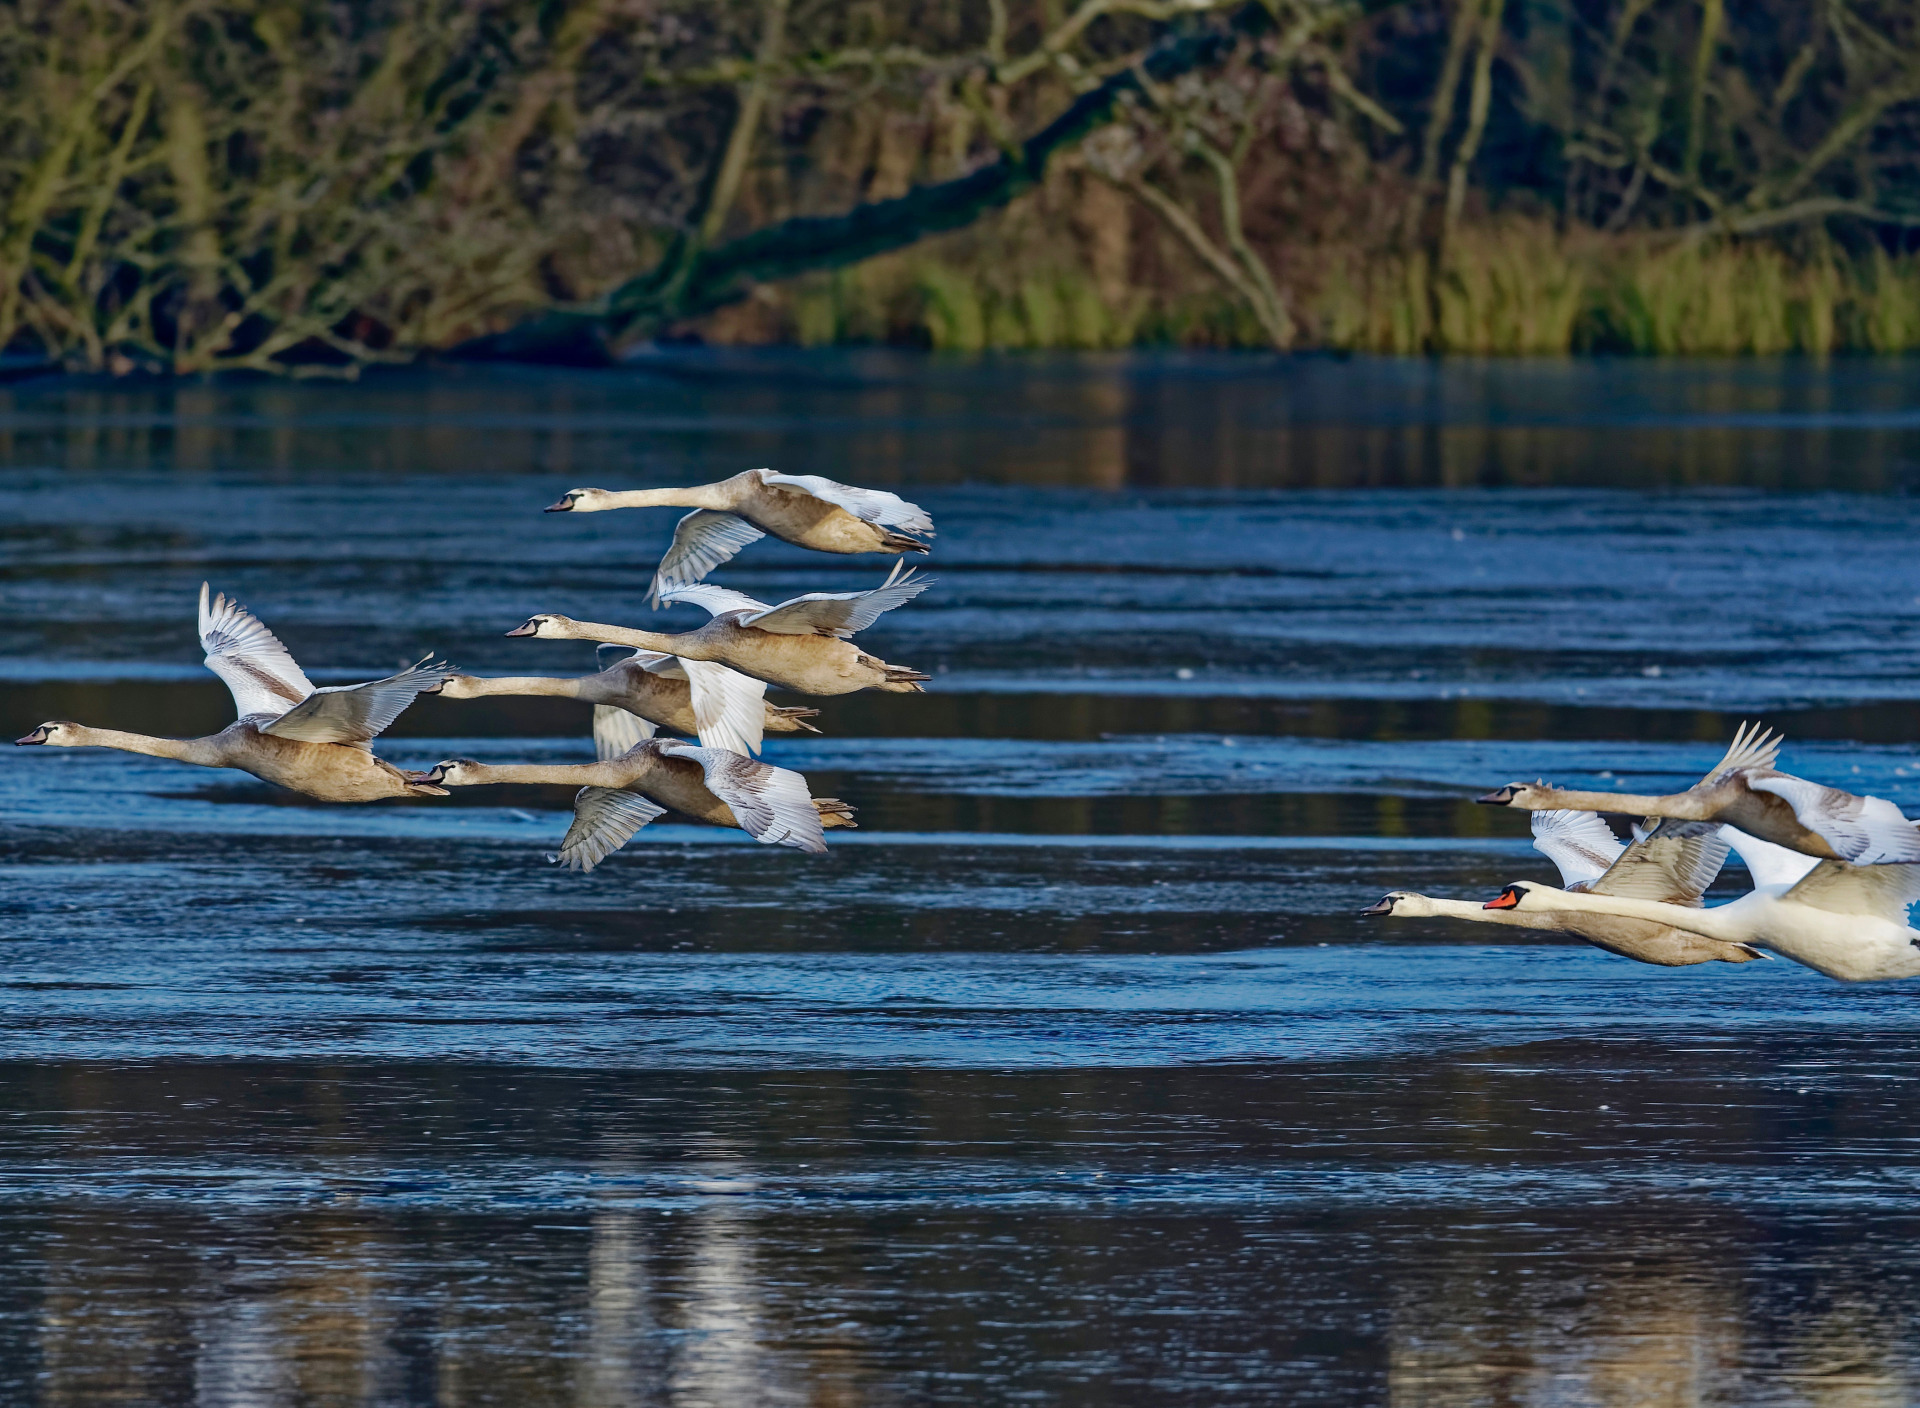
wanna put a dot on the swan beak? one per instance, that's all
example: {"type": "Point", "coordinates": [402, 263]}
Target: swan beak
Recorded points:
{"type": "Point", "coordinates": [39, 735]}
{"type": "Point", "coordinates": [1379, 907]}
{"type": "Point", "coordinates": [528, 629]}
{"type": "Point", "coordinates": [432, 777]}
{"type": "Point", "coordinates": [1506, 899]}
{"type": "Point", "coordinates": [1501, 798]}
{"type": "Point", "coordinates": [564, 506]}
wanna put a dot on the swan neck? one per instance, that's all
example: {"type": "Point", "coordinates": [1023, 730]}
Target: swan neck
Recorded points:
{"type": "Point", "coordinates": [201, 751]}
{"type": "Point", "coordinates": [1631, 803]}
{"type": "Point", "coordinates": [477, 687]}
{"type": "Point", "coordinates": [639, 640]}
{"type": "Point", "coordinates": [1711, 922]}
{"type": "Point", "coordinates": [714, 496]}
{"type": "Point", "coordinates": [1473, 910]}
{"type": "Point", "coordinates": [569, 774]}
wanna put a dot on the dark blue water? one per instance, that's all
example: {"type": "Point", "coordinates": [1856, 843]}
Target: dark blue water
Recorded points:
{"type": "Point", "coordinates": [1073, 1075]}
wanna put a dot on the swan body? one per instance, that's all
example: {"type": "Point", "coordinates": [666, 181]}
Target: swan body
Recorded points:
{"type": "Point", "coordinates": [1847, 921]}
{"type": "Point", "coordinates": [1676, 864]}
{"type": "Point", "coordinates": [1745, 792]}
{"type": "Point", "coordinates": [798, 645]}
{"type": "Point", "coordinates": [659, 775]}
{"type": "Point", "coordinates": [308, 740]}
{"type": "Point", "coordinates": [723, 712]}
{"type": "Point", "coordinates": [803, 509]}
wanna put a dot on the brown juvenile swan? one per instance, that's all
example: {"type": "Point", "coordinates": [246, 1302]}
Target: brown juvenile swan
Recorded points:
{"type": "Point", "coordinates": [796, 645]}
{"type": "Point", "coordinates": [803, 509]}
{"type": "Point", "coordinates": [1747, 793]}
{"type": "Point", "coordinates": [623, 794]}
{"type": "Point", "coordinates": [723, 707]}
{"type": "Point", "coordinates": [308, 740]}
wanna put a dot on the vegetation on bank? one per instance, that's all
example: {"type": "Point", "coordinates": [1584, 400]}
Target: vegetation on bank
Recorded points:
{"type": "Point", "coordinates": [304, 186]}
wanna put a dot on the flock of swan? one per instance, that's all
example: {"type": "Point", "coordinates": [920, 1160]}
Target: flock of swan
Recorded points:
{"type": "Point", "coordinates": [1834, 873]}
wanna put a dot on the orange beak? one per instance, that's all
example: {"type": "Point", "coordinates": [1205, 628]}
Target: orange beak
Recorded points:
{"type": "Point", "coordinates": [1506, 899]}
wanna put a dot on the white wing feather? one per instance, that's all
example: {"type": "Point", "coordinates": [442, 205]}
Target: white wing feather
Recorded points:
{"type": "Point", "coordinates": [358, 713]}
{"type": "Point", "coordinates": [729, 708]}
{"type": "Point", "coordinates": [702, 541]}
{"type": "Point", "coordinates": [713, 600]}
{"type": "Point", "coordinates": [839, 613]}
{"type": "Point", "coordinates": [259, 671]}
{"type": "Point", "coordinates": [1672, 864]}
{"type": "Point", "coordinates": [1767, 863]}
{"type": "Point", "coordinates": [604, 820]}
{"type": "Point", "coordinates": [873, 505]}
{"type": "Point", "coordinates": [617, 733]}
{"type": "Point", "coordinates": [1863, 830]}
{"type": "Point", "coordinates": [1881, 891]}
{"type": "Point", "coordinates": [1579, 843]}
{"type": "Point", "coordinates": [773, 805]}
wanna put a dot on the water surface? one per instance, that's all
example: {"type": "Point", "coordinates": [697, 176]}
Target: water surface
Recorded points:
{"type": "Point", "coordinates": [1073, 1076]}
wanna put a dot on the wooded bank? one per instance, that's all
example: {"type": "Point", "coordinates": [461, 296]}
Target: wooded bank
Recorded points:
{"type": "Point", "coordinates": [304, 187]}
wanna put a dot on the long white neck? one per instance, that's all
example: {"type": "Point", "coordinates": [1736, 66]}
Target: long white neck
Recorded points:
{"type": "Point", "coordinates": [685, 645]}
{"type": "Point", "coordinates": [717, 496]}
{"type": "Point", "coordinates": [475, 687]}
{"type": "Point", "coordinates": [1718, 922]}
{"type": "Point", "coordinates": [1683, 806]}
{"type": "Point", "coordinates": [202, 752]}
{"type": "Point", "coordinates": [1465, 909]}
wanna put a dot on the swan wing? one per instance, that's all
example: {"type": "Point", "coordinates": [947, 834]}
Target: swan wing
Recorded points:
{"type": "Point", "coordinates": [604, 820]}
{"type": "Point", "coordinates": [1752, 747]}
{"type": "Point", "coordinates": [1579, 843]}
{"type": "Point", "coordinates": [702, 541]}
{"type": "Point", "coordinates": [1673, 864]}
{"type": "Point", "coordinates": [873, 505]}
{"type": "Point", "coordinates": [771, 804]}
{"type": "Point", "coordinates": [259, 671]}
{"type": "Point", "coordinates": [715, 601]}
{"type": "Point", "coordinates": [839, 613]}
{"type": "Point", "coordinates": [358, 713]}
{"type": "Point", "coordinates": [617, 733]}
{"type": "Point", "coordinates": [1881, 891]}
{"type": "Point", "coordinates": [729, 708]}
{"type": "Point", "coordinates": [1768, 864]}
{"type": "Point", "coordinates": [1862, 830]}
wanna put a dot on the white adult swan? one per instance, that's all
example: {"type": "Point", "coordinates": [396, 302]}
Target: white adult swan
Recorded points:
{"type": "Point", "coordinates": [623, 794]}
{"type": "Point", "coordinates": [803, 509]}
{"type": "Point", "coordinates": [308, 740]}
{"type": "Point", "coordinates": [798, 645]}
{"type": "Point", "coordinates": [1674, 863]}
{"type": "Point", "coordinates": [723, 707]}
{"type": "Point", "coordinates": [1847, 921]}
{"type": "Point", "coordinates": [1774, 806]}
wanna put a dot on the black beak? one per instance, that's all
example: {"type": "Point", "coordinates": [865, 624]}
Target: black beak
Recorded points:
{"type": "Point", "coordinates": [1381, 907]}
{"type": "Point", "coordinates": [564, 506]}
{"type": "Point", "coordinates": [433, 775]}
{"type": "Point", "coordinates": [525, 630]}
{"type": "Point", "coordinates": [1502, 798]}
{"type": "Point", "coordinates": [39, 735]}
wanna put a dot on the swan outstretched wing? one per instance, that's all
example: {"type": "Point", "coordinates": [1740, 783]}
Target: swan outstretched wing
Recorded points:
{"type": "Point", "coordinates": [873, 505]}
{"type": "Point", "coordinates": [358, 713]}
{"type": "Point", "coordinates": [1861, 830]}
{"type": "Point", "coordinates": [1673, 864]}
{"type": "Point", "coordinates": [1767, 863]}
{"type": "Point", "coordinates": [729, 708]}
{"type": "Point", "coordinates": [702, 541]}
{"type": "Point", "coordinates": [1880, 891]}
{"type": "Point", "coordinates": [617, 733]}
{"type": "Point", "coordinates": [1579, 843]}
{"type": "Point", "coordinates": [259, 671]}
{"type": "Point", "coordinates": [1752, 747]}
{"type": "Point", "coordinates": [715, 601]}
{"type": "Point", "coordinates": [839, 613]}
{"type": "Point", "coordinates": [604, 820]}
{"type": "Point", "coordinates": [771, 804]}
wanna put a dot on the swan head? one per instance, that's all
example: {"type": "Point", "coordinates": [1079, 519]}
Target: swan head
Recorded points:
{"type": "Point", "coordinates": [58, 734]}
{"type": "Point", "coordinates": [544, 627]}
{"type": "Point", "coordinates": [1528, 796]}
{"type": "Point", "coordinates": [1510, 898]}
{"type": "Point", "coordinates": [455, 687]}
{"type": "Point", "coordinates": [453, 772]}
{"type": "Point", "coordinates": [1401, 904]}
{"type": "Point", "coordinates": [581, 501]}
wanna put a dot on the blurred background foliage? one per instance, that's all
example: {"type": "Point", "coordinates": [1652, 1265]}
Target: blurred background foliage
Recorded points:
{"type": "Point", "coordinates": [309, 186]}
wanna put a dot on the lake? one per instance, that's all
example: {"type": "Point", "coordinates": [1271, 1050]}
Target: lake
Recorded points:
{"type": "Point", "coordinates": [1072, 1076]}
